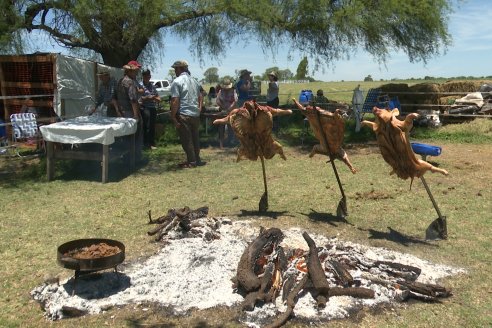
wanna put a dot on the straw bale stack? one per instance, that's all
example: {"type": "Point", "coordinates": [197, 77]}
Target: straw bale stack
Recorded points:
{"type": "Point", "coordinates": [462, 88]}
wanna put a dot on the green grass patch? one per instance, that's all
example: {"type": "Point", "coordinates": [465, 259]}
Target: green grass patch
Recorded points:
{"type": "Point", "coordinates": [478, 131]}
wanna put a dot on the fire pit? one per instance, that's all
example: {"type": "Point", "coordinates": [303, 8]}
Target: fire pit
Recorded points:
{"type": "Point", "coordinates": [90, 255]}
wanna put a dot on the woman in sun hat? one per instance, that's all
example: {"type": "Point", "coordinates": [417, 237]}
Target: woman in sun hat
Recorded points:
{"type": "Point", "coordinates": [272, 97]}
{"type": "Point", "coordinates": [243, 86]}
{"type": "Point", "coordinates": [226, 100]}
{"type": "Point", "coordinates": [272, 92]}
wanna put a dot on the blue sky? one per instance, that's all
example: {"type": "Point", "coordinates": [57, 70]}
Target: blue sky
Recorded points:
{"type": "Point", "coordinates": [470, 25]}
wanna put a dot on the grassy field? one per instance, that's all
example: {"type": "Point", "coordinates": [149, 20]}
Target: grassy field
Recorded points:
{"type": "Point", "coordinates": [37, 216]}
{"type": "Point", "coordinates": [338, 91]}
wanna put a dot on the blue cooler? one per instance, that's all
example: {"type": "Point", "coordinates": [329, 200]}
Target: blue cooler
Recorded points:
{"type": "Point", "coordinates": [305, 97]}
{"type": "Point", "coordinates": [425, 150]}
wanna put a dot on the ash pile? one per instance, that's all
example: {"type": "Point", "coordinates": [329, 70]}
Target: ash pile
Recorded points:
{"type": "Point", "coordinates": [271, 273]}
{"type": "Point", "coordinates": [193, 271]}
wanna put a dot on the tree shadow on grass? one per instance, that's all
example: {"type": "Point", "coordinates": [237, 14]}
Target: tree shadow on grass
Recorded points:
{"type": "Point", "coordinates": [397, 237]}
{"type": "Point", "coordinates": [270, 214]}
{"type": "Point", "coordinates": [326, 218]}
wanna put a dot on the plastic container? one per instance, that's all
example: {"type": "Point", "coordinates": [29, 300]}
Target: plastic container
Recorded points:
{"type": "Point", "coordinates": [425, 150]}
{"type": "Point", "coordinates": [305, 97]}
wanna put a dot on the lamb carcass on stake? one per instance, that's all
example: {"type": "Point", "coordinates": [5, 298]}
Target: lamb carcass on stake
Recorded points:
{"type": "Point", "coordinates": [252, 124]}
{"type": "Point", "coordinates": [393, 140]}
{"type": "Point", "coordinates": [333, 127]}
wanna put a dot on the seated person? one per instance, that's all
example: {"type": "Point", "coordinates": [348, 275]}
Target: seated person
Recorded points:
{"type": "Point", "coordinates": [320, 99]}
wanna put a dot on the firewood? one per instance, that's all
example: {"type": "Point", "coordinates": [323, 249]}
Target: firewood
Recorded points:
{"type": "Point", "coordinates": [171, 213]}
{"type": "Point", "coordinates": [342, 274]}
{"type": "Point", "coordinates": [168, 227]}
{"type": "Point", "coordinates": [359, 292]}
{"type": "Point", "coordinates": [158, 228]}
{"type": "Point", "coordinates": [399, 270]}
{"type": "Point", "coordinates": [315, 270]}
{"type": "Point", "coordinates": [291, 303]}
{"type": "Point", "coordinates": [426, 289]}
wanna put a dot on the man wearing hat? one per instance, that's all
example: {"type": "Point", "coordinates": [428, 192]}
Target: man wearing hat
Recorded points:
{"type": "Point", "coordinates": [186, 104]}
{"type": "Point", "coordinates": [148, 109]}
{"type": "Point", "coordinates": [127, 99]}
{"type": "Point", "coordinates": [105, 93]}
{"type": "Point", "coordinates": [127, 91]}
{"type": "Point", "coordinates": [226, 100]}
{"type": "Point", "coordinates": [243, 86]}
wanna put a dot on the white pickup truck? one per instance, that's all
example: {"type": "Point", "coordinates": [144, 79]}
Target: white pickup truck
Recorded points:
{"type": "Point", "coordinates": [163, 88]}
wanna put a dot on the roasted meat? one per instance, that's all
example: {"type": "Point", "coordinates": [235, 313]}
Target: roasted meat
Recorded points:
{"type": "Point", "coordinates": [252, 124]}
{"type": "Point", "coordinates": [393, 140]}
{"type": "Point", "coordinates": [329, 125]}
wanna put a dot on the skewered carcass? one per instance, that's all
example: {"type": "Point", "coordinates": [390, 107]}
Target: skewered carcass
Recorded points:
{"type": "Point", "coordinates": [252, 124]}
{"type": "Point", "coordinates": [333, 127]}
{"type": "Point", "coordinates": [393, 139]}
{"type": "Point", "coordinates": [329, 129]}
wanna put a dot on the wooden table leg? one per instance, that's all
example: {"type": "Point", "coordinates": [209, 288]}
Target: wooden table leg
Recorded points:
{"type": "Point", "coordinates": [50, 161]}
{"type": "Point", "coordinates": [105, 163]}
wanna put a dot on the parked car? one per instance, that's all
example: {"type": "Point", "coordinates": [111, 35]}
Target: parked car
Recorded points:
{"type": "Point", "coordinates": [163, 88]}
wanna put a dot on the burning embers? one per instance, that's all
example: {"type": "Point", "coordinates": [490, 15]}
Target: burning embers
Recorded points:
{"type": "Point", "coordinates": [267, 270]}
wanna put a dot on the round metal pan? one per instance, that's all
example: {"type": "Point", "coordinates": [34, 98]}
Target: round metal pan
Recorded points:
{"type": "Point", "coordinates": [95, 264]}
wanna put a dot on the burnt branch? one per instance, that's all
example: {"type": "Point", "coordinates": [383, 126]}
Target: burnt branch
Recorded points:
{"type": "Point", "coordinates": [291, 303]}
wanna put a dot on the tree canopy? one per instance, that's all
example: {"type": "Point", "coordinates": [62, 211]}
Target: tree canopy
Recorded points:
{"type": "Point", "coordinates": [302, 69]}
{"type": "Point", "coordinates": [211, 75]}
{"type": "Point", "coordinates": [323, 30]}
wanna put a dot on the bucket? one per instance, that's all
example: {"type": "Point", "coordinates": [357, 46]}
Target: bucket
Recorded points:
{"type": "Point", "coordinates": [305, 97]}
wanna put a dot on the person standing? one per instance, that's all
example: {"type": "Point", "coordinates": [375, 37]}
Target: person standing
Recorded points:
{"type": "Point", "coordinates": [272, 91]}
{"type": "Point", "coordinates": [148, 109]}
{"type": "Point", "coordinates": [105, 94]}
{"type": "Point", "coordinates": [272, 98]}
{"type": "Point", "coordinates": [127, 99]}
{"type": "Point", "coordinates": [226, 100]}
{"type": "Point", "coordinates": [186, 105]}
{"type": "Point", "coordinates": [243, 86]}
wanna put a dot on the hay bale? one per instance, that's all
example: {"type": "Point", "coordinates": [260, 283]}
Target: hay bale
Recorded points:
{"type": "Point", "coordinates": [420, 96]}
{"type": "Point", "coordinates": [396, 90]}
{"type": "Point", "coordinates": [462, 88]}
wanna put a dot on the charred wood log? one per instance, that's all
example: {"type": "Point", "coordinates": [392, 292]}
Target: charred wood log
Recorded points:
{"type": "Point", "coordinates": [246, 276]}
{"type": "Point", "coordinates": [160, 227]}
{"type": "Point", "coordinates": [359, 292]}
{"type": "Point", "coordinates": [168, 227]}
{"type": "Point", "coordinates": [435, 291]}
{"type": "Point", "coordinates": [315, 270]}
{"type": "Point", "coordinates": [291, 303]}
{"type": "Point", "coordinates": [341, 273]}
{"type": "Point", "coordinates": [183, 216]}
{"type": "Point", "coordinates": [399, 270]}
{"type": "Point", "coordinates": [288, 286]}
{"type": "Point", "coordinates": [171, 213]}
{"type": "Point", "coordinates": [263, 293]}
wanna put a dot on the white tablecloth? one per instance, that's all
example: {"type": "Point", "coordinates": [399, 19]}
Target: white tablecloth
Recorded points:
{"type": "Point", "coordinates": [89, 129]}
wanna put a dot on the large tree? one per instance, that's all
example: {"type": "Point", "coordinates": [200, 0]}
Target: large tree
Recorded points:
{"type": "Point", "coordinates": [211, 75]}
{"type": "Point", "coordinates": [324, 30]}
